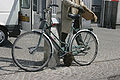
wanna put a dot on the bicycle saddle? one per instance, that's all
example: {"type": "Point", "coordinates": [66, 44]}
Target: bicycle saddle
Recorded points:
{"type": "Point", "coordinates": [74, 16]}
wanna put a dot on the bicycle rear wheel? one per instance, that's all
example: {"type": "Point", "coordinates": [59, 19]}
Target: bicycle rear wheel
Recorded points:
{"type": "Point", "coordinates": [27, 55]}
{"type": "Point", "coordinates": [84, 47]}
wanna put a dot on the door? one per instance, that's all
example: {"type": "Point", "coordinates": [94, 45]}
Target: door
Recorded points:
{"type": "Point", "coordinates": [26, 14]}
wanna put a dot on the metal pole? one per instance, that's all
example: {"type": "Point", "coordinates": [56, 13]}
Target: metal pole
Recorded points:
{"type": "Point", "coordinates": [102, 13]}
{"type": "Point", "coordinates": [43, 7]}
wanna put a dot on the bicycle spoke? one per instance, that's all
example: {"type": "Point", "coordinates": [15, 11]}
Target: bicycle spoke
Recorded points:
{"type": "Point", "coordinates": [84, 54]}
{"type": "Point", "coordinates": [85, 37]}
{"type": "Point", "coordinates": [28, 51]}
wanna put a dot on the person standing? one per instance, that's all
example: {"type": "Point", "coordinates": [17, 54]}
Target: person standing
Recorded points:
{"type": "Point", "coordinates": [72, 6]}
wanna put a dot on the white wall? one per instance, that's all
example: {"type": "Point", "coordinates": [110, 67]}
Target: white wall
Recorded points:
{"type": "Point", "coordinates": [9, 12]}
{"type": "Point", "coordinates": [118, 14]}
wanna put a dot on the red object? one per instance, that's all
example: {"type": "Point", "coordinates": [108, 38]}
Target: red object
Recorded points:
{"type": "Point", "coordinates": [53, 24]}
{"type": "Point", "coordinates": [115, 0]}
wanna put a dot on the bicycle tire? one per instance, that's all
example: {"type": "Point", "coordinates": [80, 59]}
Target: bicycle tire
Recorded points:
{"type": "Point", "coordinates": [26, 60]}
{"type": "Point", "coordinates": [81, 51]}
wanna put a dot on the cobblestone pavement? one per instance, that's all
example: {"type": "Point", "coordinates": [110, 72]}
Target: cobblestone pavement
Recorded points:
{"type": "Point", "coordinates": [105, 67]}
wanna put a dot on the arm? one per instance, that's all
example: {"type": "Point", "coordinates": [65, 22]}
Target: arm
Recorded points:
{"type": "Point", "coordinates": [72, 4]}
{"type": "Point", "coordinates": [94, 16]}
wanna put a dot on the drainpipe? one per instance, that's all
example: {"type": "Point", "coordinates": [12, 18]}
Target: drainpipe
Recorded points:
{"type": "Point", "coordinates": [102, 13]}
{"type": "Point", "coordinates": [43, 7]}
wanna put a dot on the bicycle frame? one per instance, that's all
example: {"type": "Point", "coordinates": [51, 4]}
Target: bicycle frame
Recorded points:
{"type": "Point", "coordinates": [45, 26]}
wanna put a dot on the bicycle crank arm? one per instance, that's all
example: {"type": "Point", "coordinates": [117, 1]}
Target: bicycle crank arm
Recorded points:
{"type": "Point", "coordinates": [32, 50]}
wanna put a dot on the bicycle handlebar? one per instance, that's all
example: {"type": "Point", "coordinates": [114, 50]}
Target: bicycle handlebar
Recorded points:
{"type": "Point", "coordinates": [50, 7]}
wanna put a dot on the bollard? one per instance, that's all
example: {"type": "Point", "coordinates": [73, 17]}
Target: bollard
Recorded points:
{"type": "Point", "coordinates": [55, 60]}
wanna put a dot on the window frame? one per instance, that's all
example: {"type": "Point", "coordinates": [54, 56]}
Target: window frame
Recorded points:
{"type": "Point", "coordinates": [25, 6]}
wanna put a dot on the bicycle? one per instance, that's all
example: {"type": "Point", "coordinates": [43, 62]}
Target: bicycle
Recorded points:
{"type": "Point", "coordinates": [28, 51]}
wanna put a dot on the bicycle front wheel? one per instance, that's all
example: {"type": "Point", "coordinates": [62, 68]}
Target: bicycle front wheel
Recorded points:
{"type": "Point", "coordinates": [84, 47]}
{"type": "Point", "coordinates": [29, 54]}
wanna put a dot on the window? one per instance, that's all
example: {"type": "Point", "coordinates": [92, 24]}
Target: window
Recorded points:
{"type": "Point", "coordinates": [34, 5]}
{"type": "Point", "coordinates": [25, 4]}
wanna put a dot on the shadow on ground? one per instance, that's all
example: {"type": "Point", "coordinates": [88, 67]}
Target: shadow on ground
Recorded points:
{"type": "Point", "coordinates": [115, 77]}
{"type": "Point", "coordinates": [8, 67]}
{"type": "Point", "coordinates": [7, 44]}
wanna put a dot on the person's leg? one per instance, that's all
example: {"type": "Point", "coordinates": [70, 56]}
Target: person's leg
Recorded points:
{"type": "Point", "coordinates": [68, 58]}
{"type": "Point", "coordinates": [76, 25]}
{"type": "Point", "coordinates": [63, 37]}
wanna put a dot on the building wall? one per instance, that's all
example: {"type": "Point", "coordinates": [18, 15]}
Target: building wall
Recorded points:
{"type": "Point", "coordinates": [96, 8]}
{"type": "Point", "coordinates": [118, 17]}
{"type": "Point", "coordinates": [110, 14]}
{"type": "Point", "coordinates": [118, 14]}
{"type": "Point", "coordinates": [96, 2]}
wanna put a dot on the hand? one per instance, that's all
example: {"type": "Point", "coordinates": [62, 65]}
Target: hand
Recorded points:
{"type": "Point", "coordinates": [81, 9]}
{"type": "Point", "coordinates": [95, 17]}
